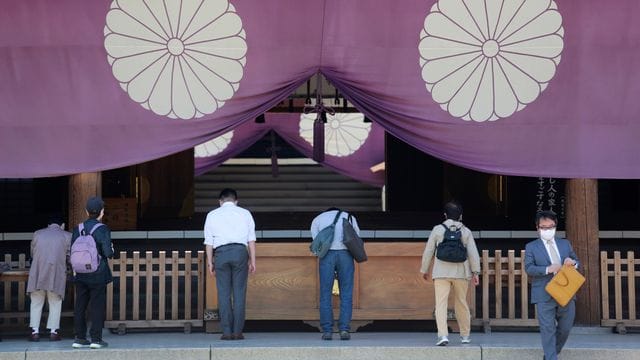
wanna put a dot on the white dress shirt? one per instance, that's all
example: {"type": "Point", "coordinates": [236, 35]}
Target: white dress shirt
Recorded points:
{"type": "Point", "coordinates": [229, 224]}
{"type": "Point", "coordinates": [325, 219]}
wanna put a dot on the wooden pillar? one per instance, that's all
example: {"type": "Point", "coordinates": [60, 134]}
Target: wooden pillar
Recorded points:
{"type": "Point", "coordinates": [582, 230]}
{"type": "Point", "coordinates": [81, 188]}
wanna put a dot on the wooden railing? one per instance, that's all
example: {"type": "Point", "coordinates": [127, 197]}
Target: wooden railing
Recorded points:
{"type": "Point", "coordinates": [618, 278]}
{"type": "Point", "coordinates": [156, 291]}
{"type": "Point", "coordinates": [167, 290]}
{"type": "Point", "coordinates": [14, 284]}
{"type": "Point", "coordinates": [14, 309]}
{"type": "Point", "coordinates": [504, 294]}
{"type": "Point", "coordinates": [172, 295]}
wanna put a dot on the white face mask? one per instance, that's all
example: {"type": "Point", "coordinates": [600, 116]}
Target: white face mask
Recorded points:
{"type": "Point", "coordinates": [547, 234]}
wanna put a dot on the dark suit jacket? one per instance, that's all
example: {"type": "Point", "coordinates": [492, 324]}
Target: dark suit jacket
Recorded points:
{"type": "Point", "coordinates": [536, 260]}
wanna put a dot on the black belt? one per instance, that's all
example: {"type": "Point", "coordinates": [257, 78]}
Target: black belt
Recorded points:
{"type": "Point", "coordinates": [231, 244]}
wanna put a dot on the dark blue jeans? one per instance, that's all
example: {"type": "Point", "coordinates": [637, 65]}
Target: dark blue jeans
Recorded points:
{"type": "Point", "coordinates": [340, 262]}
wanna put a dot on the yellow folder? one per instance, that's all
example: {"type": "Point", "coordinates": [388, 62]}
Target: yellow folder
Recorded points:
{"type": "Point", "coordinates": [564, 285]}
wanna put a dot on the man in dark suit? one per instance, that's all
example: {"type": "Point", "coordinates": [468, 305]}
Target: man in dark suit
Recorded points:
{"type": "Point", "coordinates": [543, 258]}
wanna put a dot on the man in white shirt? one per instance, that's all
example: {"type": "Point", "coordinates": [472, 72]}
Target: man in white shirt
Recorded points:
{"type": "Point", "coordinates": [230, 243]}
{"type": "Point", "coordinates": [338, 260]}
{"type": "Point", "coordinates": [543, 258]}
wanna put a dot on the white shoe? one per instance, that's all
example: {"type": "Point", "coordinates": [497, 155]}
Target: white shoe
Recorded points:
{"type": "Point", "coordinates": [442, 341]}
{"type": "Point", "coordinates": [465, 340]}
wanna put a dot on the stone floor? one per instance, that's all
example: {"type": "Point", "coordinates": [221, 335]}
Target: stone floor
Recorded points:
{"type": "Point", "coordinates": [583, 344]}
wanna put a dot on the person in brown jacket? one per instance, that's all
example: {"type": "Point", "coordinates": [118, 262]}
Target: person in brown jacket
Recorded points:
{"type": "Point", "coordinates": [448, 275]}
{"type": "Point", "coordinates": [48, 275]}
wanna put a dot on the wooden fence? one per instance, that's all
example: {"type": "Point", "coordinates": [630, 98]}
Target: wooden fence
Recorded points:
{"type": "Point", "coordinates": [156, 291]}
{"type": "Point", "coordinates": [504, 292]}
{"type": "Point", "coordinates": [618, 285]}
{"type": "Point", "coordinates": [14, 284]}
{"type": "Point", "coordinates": [172, 295]}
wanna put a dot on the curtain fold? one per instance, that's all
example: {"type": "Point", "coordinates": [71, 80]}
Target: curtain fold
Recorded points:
{"type": "Point", "coordinates": [355, 162]}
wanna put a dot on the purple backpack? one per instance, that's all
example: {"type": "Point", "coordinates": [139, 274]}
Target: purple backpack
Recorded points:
{"type": "Point", "coordinates": [84, 253]}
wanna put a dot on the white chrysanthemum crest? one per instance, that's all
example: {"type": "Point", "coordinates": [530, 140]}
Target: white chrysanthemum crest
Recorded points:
{"type": "Point", "coordinates": [214, 146]}
{"type": "Point", "coordinates": [486, 59]}
{"type": "Point", "coordinates": [344, 133]}
{"type": "Point", "coordinates": [181, 59]}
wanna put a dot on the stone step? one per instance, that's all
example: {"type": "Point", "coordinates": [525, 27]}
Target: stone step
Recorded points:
{"type": "Point", "coordinates": [300, 194]}
{"type": "Point", "coordinates": [308, 346]}
{"type": "Point", "coordinates": [300, 185]}
{"type": "Point", "coordinates": [297, 188]}
{"type": "Point", "coordinates": [287, 208]}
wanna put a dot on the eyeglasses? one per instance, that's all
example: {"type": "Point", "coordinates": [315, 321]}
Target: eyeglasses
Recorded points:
{"type": "Point", "coordinates": [546, 227]}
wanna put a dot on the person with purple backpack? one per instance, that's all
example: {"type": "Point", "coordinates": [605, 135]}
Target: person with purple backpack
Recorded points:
{"type": "Point", "coordinates": [92, 274]}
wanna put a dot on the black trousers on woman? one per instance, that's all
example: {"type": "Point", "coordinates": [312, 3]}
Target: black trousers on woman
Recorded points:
{"type": "Point", "coordinates": [93, 296]}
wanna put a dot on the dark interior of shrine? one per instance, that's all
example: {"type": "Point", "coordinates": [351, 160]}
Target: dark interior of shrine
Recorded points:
{"type": "Point", "coordinates": [417, 185]}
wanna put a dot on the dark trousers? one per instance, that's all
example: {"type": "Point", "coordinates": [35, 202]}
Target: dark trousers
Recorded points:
{"type": "Point", "coordinates": [93, 296]}
{"type": "Point", "coordinates": [231, 263]}
{"type": "Point", "coordinates": [555, 324]}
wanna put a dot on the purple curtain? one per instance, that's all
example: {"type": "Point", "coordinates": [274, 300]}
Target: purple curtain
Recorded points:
{"type": "Point", "coordinates": [64, 111]}
{"type": "Point", "coordinates": [354, 163]}
{"type": "Point", "coordinates": [535, 88]}
{"type": "Point", "coordinates": [583, 124]}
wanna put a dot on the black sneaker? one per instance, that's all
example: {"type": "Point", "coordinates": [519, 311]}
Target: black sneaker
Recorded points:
{"type": "Point", "coordinates": [98, 344]}
{"type": "Point", "coordinates": [80, 343]}
{"type": "Point", "coordinates": [327, 336]}
{"type": "Point", "coordinates": [344, 335]}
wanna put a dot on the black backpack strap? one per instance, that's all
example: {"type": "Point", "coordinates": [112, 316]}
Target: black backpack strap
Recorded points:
{"type": "Point", "coordinates": [335, 220]}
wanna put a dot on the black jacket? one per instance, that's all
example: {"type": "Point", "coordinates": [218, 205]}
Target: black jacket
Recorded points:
{"type": "Point", "coordinates": [102, 235]}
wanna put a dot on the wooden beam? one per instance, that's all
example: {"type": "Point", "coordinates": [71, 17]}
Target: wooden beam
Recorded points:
{"type": "Point", "coordinates": [81, 188]}
{"type": "Point", "coordinates": [582, 230]}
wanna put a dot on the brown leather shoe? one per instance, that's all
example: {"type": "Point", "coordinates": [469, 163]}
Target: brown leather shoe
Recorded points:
{"type": "Point", "coordinates": [55, 337]}
{"type": "Point", "coordinates": [226, 337]}
{"type": "Point", "coordinates": [237, 336]}
{"type": "Point", "coordinates": [35, 337]}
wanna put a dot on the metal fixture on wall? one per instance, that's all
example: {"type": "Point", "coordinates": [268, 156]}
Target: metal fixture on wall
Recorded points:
{"type": "Point", "coordinates": [318, 125]}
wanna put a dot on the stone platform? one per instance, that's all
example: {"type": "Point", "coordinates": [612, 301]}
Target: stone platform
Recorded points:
{"type": "Point", "coordinates": [583, 344]}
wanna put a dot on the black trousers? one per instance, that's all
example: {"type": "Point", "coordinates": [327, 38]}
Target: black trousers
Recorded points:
{"type": "Point", "coordinates": [93, 296]}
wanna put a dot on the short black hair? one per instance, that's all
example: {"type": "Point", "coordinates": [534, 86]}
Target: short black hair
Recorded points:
{"type": "Point", "coordinates": [228, 194]}
{"type": "Point", "coordinates": [56, 218]}
{"type": "Point", "coordinates": [453, 210]}
{"type": "Point", "coordinates": [94, 207]}
{"type": "Point", "coordinates": [546, 214]}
